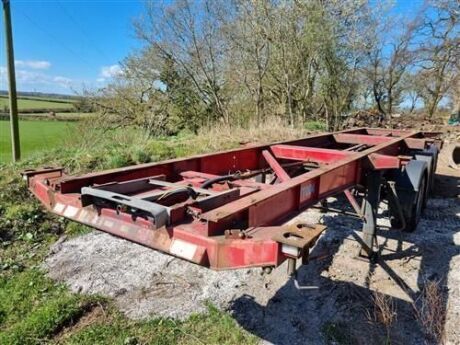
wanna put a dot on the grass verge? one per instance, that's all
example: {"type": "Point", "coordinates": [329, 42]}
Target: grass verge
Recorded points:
{"type": "Point", "coordinates": [35, 310]}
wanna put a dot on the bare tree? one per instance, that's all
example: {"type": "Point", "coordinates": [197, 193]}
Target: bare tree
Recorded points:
{"type": "Point", "coordinates": [389, 60]}
{"type": "Point", "coordinates": [188, 32]}
{"type": "Point", "coordinates": [412, 90]}
{"type": "Point", "coordinates": [240, 60]}
{"type": "Point", "coordinates": [345, 53]}
{"type": "Point", "coordinates": [439, 52]}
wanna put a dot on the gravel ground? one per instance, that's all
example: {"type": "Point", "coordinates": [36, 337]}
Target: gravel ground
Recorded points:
{"type": "Point", "coordinates": [331, 297]}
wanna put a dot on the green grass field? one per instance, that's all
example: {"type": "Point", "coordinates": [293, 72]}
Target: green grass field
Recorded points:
{"type": "Point", "coordinates": [36, 135]}
{"type": "Point", "coordinates": [37, 103]}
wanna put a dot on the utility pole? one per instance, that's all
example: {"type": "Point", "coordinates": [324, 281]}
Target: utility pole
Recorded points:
{"type": "Point", "coordinates": [15, 144]}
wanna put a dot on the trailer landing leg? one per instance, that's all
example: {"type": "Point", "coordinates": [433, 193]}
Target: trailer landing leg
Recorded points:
{"type": "Point", "coordinates": [371, 202]}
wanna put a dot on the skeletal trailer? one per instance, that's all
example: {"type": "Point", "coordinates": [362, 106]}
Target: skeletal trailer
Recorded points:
{"type": "Point", "coordinates": [228, 210]}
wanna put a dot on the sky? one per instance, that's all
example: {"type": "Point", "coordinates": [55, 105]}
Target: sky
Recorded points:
{"type": "Point", "coordinates": [65, 46]}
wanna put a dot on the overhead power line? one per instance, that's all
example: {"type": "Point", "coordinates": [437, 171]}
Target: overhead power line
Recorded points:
{"type": "Point", "coordinates": [86, 36]}
{"type": "Point", "coordinates": [54, 37]}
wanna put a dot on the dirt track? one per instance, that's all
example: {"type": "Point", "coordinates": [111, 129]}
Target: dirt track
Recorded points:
{"type": "Point", "coordinates": [333, 293]}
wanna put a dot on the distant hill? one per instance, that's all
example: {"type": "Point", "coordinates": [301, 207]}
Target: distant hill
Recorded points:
{"type": "Point", "coordinates": [39, 103]}
{"type": "Point", "coordinates": [42, 95]}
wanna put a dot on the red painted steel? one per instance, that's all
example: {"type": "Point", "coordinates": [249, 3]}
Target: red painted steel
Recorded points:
{"type": "Point", "coordinates": [346, 138]}
{"type": "Point", "coordinates": [382, 162]}
{"type": "Point", "coordinates": [353, 202]}
{"type": "Point", "coordinates": [277, 168]}
{"type": "Point", "coordinates": [314, 154]}
{"type": "Point", "coordinates": [234, 224]}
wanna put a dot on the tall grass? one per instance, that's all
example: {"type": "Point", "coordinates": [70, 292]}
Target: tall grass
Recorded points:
{"type": "Point", "coordinates": [430, 310]}
{"type": "Point", "coordinates": [90, 148]}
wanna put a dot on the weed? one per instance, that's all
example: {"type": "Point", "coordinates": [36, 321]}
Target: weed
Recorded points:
{"type": "Point", "coordinates": [44, 321]}
{"type": "Point", "coordinates": [22, 221]}
{"type": "Point", "coordinates": [33, 307]}
{"type": "Point", "coordinates": [140, 155]}
{"type": "Point", "coordinates": [117, 159]}
{"type": "Point", "coordinates": [430, 310]}
{"type": "Point", "coordinates": [161, 150]}
{"type": "Point", "coordinates": [315, 125]}
{"type": "Point", "coordinates": [13, 189]}
{"type": "Point", "coordinates": [213, 327]}
{"type": "Point", "coordinates": [76, 229]}
{"type": "Point", "coordinates": [384, 313]}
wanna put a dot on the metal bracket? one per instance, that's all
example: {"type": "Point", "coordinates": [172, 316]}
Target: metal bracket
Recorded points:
{"type": "Point", "coordinates": [296, 241]}
{"type": "Point", "coordinates": [299, 235]}
{"type": "Point", "coordinates": [159, 213]}
{"type": "Point", "coordinates": [28, 173]}
{"type": "Point", "coordinates": [353, 203]}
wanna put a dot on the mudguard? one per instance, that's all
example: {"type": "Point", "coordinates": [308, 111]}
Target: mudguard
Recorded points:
{"type": "Point", "coordinates": [411, 175]}
{"type": "Point", "coordinates": [407, 184]}
{"type": "Point", "coordinates": [430, 156]}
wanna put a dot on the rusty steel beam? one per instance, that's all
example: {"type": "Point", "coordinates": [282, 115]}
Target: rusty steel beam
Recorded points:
{"type": "Point", "coordinates": [385, 132]}
{"type": "Point", "coordinates": [314, 154]}
{"type": "Point", "coordinates": [353, 202]}
{"type": "Point", "coordinates": [271, 205]}
{"type": "Point", "coordinates": [381, 137]}
{"type": "Point", "coordinates": [346, 138]}
{"type": "Point", "coordinates": [418, 144]}
{"type": "Point", "coordinates": [382, 162]}
{"type": "Point", "coordinates": [277, 168]}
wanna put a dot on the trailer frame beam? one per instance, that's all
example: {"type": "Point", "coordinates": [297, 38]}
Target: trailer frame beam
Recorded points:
{"type": "Point", "coordinates": [237, 220]}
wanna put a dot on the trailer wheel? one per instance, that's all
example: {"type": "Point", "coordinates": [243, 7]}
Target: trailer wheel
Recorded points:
{"type": "Point", "coordinates": [454, 156]}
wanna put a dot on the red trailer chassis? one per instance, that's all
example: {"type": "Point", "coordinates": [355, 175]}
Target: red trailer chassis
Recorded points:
{"type": "Point", "coordinates": [226, 210]}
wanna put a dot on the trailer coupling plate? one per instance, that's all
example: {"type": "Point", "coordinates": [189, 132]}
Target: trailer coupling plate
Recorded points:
{"type": "Point", "coordinates": [297, 238]}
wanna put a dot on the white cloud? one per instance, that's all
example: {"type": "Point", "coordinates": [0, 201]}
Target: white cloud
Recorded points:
{"type": "Point", "coordinates": [26, 79]}
{"type": "Point", "coordinates": [111, 71]}
{"type": "Point", "coordinates": [63, 81]}
{"type": "Point", "coordinates": [33, 64]}
{"type": "Point", "coordinates": [24, 76]}
{"type": "Point", "coordinates": [100, 80]}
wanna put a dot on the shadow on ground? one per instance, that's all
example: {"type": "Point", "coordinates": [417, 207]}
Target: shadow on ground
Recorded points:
{"type": "Point", "coordinates": [334, 302]}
